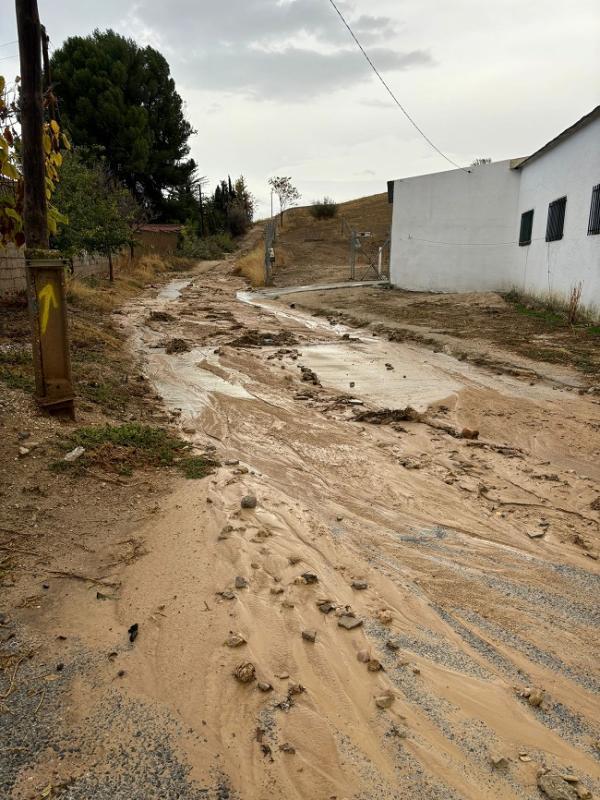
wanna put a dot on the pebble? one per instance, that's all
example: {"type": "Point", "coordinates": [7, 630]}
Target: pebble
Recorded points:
{"type": "Point", "coordinates": [309, 635]}
{"type": "Point", "coordinates": [349, 623]}
{"type": "Point", "coordinates": [536, 534]}
{"type": "Point", "coordinates": [384, 700]}
{"type": "Point", "coordinates": [286, 747]}
{"type": "Point", "coordinates": [499, 762]}
{"type": "Point", "coordinates": [232, 462]}
{"type": "Point", "coordinates": [235, 640]}
{"type": "Point", "coordinates": [374, 665]}
{"type": "Point", "coordinates": [241, 583]}
{"type": "Point", "coordinates": [23, 451]}
{"type": "Point", "coordinates": [364, 656]}
{"type": "Point", "coordinates": [245, 672]}
{"type": "Point", "coordinates": [74, 454]}
{"type": "Point", "coordinates": [326, 607]}
{"type": "Point", "coordinates": [391, 645]}
{"type": "Point", "coordinates": [536, 697]}
{"type": "Point", "coordinates": [360, 585]}
{"type": "Point", "coordinates": [264, 686]}
{"type": "Point", "coordinates": [309, 577]}
{"type": "Point", "coordinates": [249, 501]}
{"type": "Point", "coordinates": [384, 616]}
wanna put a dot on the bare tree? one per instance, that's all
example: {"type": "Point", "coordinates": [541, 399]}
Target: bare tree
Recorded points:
{"type": "Point", "coordinates": [287, 193]}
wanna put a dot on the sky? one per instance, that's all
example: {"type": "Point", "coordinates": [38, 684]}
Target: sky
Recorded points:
{"type": "Point", "coordinates": [278, 87]}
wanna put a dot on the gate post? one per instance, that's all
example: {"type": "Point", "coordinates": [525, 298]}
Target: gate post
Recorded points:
{"type": "Point", "coordinates": [46, 299]}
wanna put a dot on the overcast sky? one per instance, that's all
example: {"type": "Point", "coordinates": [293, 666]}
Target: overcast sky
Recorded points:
{"type": "Point", "coordinates": [277, 87]}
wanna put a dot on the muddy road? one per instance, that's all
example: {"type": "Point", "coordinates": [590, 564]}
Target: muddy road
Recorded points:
{"type": "Point", "coordinates": [420, 607]}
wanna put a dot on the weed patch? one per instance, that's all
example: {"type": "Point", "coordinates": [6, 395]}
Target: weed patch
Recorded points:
{"type": "Point", "coordinates": [123, 448]}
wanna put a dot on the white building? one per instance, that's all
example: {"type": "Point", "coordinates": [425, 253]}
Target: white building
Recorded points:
{"type": "Point", "coordinates": [531, 223]}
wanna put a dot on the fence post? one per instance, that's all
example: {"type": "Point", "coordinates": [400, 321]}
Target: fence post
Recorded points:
{"type": "Point", "coordinates": [49, 334]}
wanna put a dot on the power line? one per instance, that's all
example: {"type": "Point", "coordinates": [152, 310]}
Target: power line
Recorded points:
{"type": "Point", "coordinates": [7, 57]}
{"type": "Point", "coordinates": [14, 41]}
{"type": "Point", "coordinates": [391, 93]}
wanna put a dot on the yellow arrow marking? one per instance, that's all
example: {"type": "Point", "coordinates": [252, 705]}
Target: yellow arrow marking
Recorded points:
{"type": "Point", "coordinates": [46, 298]}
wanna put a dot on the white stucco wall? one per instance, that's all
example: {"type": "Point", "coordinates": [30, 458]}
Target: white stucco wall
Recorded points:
{"type": "Point", "coordinates": [448, 229]}
{"type": "Point", "coordinates": [571, 169]}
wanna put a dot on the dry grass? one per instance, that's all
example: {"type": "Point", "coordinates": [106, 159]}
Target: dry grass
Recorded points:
{"type": "Point", "coordinates": [252, 266]}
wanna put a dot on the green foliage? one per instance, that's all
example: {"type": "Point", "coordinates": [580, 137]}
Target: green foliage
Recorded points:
{"type": "Point", "coordinates": [230, 209]}
{"type": "Point", "coordinates": [206, 248]}
{"type": "Point", "coordinates": [11, 177]}
{"type": "Point", "coordinates": [122, 447]}
{"type": "Point", "coordinates": [121, 97]}
{"type": "Point", "coordinates": [102, 215]}
{"type": "Point", "coordinates": [324, 209]}
{"type": "Point", "coordinates": [196, 467]}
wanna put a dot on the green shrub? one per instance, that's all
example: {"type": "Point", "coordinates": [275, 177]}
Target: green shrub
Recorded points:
{"type": "Point", "coordinates": [324, 209]}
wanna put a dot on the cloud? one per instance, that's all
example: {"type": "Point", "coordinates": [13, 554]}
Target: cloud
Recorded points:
{"type": "Point", "coordinates": [269, 49]}
{"type": "Point", "coordinates": [294, 74]}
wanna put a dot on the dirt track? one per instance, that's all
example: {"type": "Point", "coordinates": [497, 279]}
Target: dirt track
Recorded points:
{"type": "Point", "coordinates": [465, 612]}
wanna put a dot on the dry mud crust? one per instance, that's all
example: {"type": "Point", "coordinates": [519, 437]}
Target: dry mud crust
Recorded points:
{"type": "Point", "coordinates": [456, 320]}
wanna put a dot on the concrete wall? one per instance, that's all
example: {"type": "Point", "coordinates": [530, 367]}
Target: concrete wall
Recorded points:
{"type": "Point", "coordinates": [12, 269]}
{"type": "Point", "coordinates": [572, 169]}
{"type": "Point", "coordinates": [445, 227]}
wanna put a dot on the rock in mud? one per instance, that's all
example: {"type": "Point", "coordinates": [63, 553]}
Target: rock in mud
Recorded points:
{"type": "Point", "coordinates": [349, 623]}
{"type": "Point", "coordinates": [384, 700]}
{"type": "Point", "coordinates": [245, 672]}
{"type": "Point", "coordinates": [241, 582]}
{"type": "Point", "coordinates": [374, 665]}
{"type": "Point", "coordinates": [264, 686]}
{"type": "Point", "coordinates": [499, 762]}
{"type": "Point", "coordinates": [309, 635]}
{"type": "Point", "coordinates": [235, 640]}
{"type": "Point", "coordinates": [556, 788]}
{"type": "Point", "coordinates": [467, 433]}
{"type": "Point", "coordinates": [133, 632]}
{"type": "Point", "coordinates": [364, 656]}
{"type": "Point", "coordinates": [536, 534]}
{"type": "Point", "coordinates": [177, 346]}
{"type": "Point", "coordinates": [325, 606]}
{"type": "Point", "coordinates": [74, 454]}
{"type": "Point", "coordinates": [309, 577]}
{"type": "Point", "coordinates": [227, 595]}
{"type": "Point", "coordinates": [249, 501]}
{"type": "Point", "coordinates": [360, 585]}
{"type": "Point", "coordinates": [536, 697]}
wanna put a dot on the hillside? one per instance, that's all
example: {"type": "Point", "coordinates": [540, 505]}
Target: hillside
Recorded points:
{"type": "Point", "coordinates": [317, 251]}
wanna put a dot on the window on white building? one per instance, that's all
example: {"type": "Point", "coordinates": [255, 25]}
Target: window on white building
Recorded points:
{"type": "Point", "coordinates": [556, 219]}
{"type": "Point", "coordinates": [526, 228]}
{"type": "Point", "coordinates": [594, 223]}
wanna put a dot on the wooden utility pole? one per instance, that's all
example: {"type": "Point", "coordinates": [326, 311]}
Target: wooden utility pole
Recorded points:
{"type": "Point", "coordinates": [45, 273]}
{"type": "Point", "coordinates": [32, 125]}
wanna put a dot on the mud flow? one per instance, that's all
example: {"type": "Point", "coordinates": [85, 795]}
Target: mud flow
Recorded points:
{"type": "Point", "coordinates": [357, 604]}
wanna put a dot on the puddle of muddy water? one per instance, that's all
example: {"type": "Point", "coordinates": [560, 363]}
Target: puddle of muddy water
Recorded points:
{"type": "Point", "coordinates": [173, 289]}
{"type": "Point", "coordinates": [185, 384]}
{"type": "Point", "coordinates": [412, 381]}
